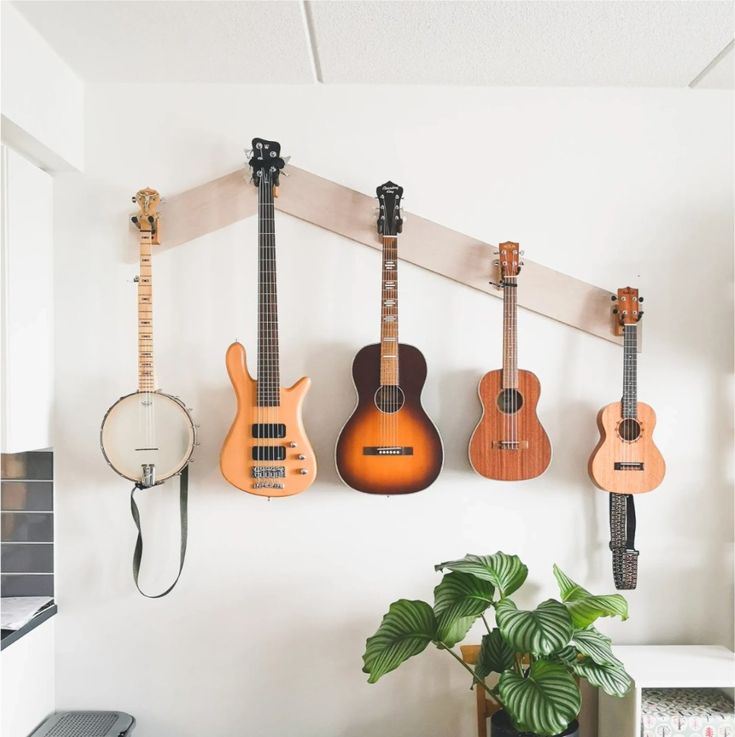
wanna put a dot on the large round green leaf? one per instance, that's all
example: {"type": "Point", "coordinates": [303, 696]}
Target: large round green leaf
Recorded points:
{"type": "Point", "coordinates": [545, 702]}
{"type": "Point", "coordinates": [459, 600]}
{"type": "Point", "coordinates": [541, 631]}
{"type": "Point", "coordinates": [407, 628]}
{"type": "Point", "coordinates": [586, 608]}
{"type": "Point", "coordinates": [610, 677]}
{"type": "Point", "coordinates": [495, 655]}
{"type": "Point", "coordinates": [505, 572]}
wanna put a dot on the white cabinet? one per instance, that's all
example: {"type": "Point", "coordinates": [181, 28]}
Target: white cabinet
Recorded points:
{"type": "Point", "coordinates": [662, 666]}
{"type": "Point", "coordinates": [27, 305]}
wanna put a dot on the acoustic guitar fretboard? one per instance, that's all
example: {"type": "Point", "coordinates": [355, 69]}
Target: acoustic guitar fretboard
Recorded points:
{"type": "Point", "coordinates": [389, 313]}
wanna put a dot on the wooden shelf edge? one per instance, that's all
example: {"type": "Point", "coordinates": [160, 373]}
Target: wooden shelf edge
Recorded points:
{"type": "Point", "coordinates": [431, 246]}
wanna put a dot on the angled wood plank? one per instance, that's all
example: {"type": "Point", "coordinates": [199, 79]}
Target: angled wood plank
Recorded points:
{"type": "Point", "coordinates": [349, 213]}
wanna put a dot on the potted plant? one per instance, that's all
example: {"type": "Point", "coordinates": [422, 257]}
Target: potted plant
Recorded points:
{"type": "Point", "coordinates": [538, 655]}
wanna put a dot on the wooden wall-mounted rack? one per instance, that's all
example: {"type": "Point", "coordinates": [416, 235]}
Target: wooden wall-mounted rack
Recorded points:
{"type": "Point", "coordinates": [349, 213]}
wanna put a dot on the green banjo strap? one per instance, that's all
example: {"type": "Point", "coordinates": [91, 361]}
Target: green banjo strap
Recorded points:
{"type": "Point", "coordinates": [183, 513]}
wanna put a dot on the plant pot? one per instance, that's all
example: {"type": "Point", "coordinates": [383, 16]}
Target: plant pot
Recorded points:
{"type": "Point", "coordinates": [501, 726]}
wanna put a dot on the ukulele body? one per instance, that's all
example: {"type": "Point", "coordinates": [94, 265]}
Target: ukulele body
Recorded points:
{"type": "Point", "coordinates": [395, 452]}
{"type": "Point", "coordinates": [626, 460]}
{"type": "Point", "coordinates": [509, 445]}
{"type": "Point", "coordinates": [266, 452]}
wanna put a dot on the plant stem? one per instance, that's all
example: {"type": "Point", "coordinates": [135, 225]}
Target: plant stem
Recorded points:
{"type": "Point", "coordinates": [487, 626]}
{"type": "Point", "coordinates": [475, 678]}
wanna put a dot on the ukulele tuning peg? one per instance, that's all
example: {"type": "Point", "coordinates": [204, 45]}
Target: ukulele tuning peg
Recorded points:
{"type": "Point", "coordinates": [640, 299]}
{"type": "Point", "coordinates": [496, 262]}
{"type": "Point", "coordinates": [615, 311]}
{"type": "Point", "coordinates": [613, 298]}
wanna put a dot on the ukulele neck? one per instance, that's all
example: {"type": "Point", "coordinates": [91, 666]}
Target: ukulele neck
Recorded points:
{"type": "Point", "coordinates": [268, 382]}
{"type": "Point", "coordinates": [510, 329]}
{"type": "Point", "coordinates": [146, 372]}
{"type": "Point", "coordinates": [389, 313]}
{"type": "Point", "coordinates": [630, 371]}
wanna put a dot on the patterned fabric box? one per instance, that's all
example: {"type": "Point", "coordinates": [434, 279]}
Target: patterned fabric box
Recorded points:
{"type": "Point", "coordinates": [686, 712]}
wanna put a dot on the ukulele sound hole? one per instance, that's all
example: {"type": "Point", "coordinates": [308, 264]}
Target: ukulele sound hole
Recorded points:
{"type": "Point", "coordinates": [510, 401]}
{"type": "Point", "coordinates": [389, 398]}
{"type": "Point", "coordinates": [629, 430]}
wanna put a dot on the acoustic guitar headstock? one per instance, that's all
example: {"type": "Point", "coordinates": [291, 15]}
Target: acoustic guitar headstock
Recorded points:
{"type": "Point", "coordinates": [509, 261]}
{"type": "Point", "coordinates": [265, 162]}
{"type": "Point", "coordinates": [626, 307]}
{"type": "Point", "coordinates": [146, 220]}
{"type": "Point", "coordinates": [390, 221]}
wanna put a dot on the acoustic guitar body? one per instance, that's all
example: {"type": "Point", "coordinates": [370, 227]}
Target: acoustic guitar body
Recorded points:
{"type": "Point", "coordinates": [626, 460]}
{"type": "Point", "coordinates": [509, 443]}
{"type": "Point", "coordinates": [398, 451]}
{"type": "Point", "coordinates": [266, 451]}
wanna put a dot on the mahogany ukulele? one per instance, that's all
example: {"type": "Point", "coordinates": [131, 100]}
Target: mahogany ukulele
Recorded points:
{"type": "Point", "coordinates": [266, 451]}
{"type": "Point", "coordinates": [389, 445]}
{"type": "Point", "coordinates": [626, 461]}
{"type": "Point", "coordinates": [509, 443]}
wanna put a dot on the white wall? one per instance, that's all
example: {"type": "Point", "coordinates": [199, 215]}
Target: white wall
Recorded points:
{"type": "Point", "coordinates": [265, 632]}
{"type": "Point", "coordinates": [27, 681]}
{"type": "Point", "coordinates": [42, 99]}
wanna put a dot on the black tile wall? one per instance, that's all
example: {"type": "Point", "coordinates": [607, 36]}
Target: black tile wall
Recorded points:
{"type": "Point", "coordinates": [26, 584]}
{"type": "Point", "coordinates": [27, 557]}
{"type": "Point", "coordinates": [37, 465]}
{"type": "Point", "coordinates": [27, 524]}
{"type": "Point", "coordinates": [27, 496]}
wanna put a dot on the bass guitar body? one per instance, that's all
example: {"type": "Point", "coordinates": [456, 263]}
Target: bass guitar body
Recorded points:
{"type": "Point", "coordinates": [266, 451]}
{"type": "Point", "coordinates": [389, 445]}
{"type": "Point", "coordinates": [509, 443]}
{"type": "Point", "coordinates": [626, 460]}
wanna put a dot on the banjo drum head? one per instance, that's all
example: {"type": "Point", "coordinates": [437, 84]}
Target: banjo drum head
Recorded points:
{"type": "Point", "coordinates": [147, 428]}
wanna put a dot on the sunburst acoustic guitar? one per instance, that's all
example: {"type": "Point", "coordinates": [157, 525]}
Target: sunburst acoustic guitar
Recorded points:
{"type": "Point", "coordinates": [509, 443]}
{"type": "Point", "coordinates": [266, 451]}
{"type": "Point", "coordinates": [389, 445]}
{"type": "Point", "coordinates": [626, 460]}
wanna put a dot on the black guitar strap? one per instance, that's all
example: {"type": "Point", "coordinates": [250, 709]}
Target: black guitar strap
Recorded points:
{"type": "Point", "coordinates": [622, 541]}
{"type": "Point", "coordinates": [183, 514]}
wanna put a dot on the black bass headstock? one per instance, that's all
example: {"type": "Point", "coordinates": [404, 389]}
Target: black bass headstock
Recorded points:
{"type": "Point", "coordinates": [265, 161]}
{"type": "Point", "coordinates": [390, 221]}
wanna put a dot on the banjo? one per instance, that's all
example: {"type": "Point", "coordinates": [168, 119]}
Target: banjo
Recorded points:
{"type": "Point", "coordinates": [147, 436]}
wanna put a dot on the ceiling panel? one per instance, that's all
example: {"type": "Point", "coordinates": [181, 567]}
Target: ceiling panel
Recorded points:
{"type": "Point", "coordinates": [153, 41]}
{"type": "Point", "coordinates": [583, 42]}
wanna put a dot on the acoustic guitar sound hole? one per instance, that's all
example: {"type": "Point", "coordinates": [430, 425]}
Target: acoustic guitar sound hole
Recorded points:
{"type": "Point", "coordinates": [629, 430]}
{"type": "Point", "coordinates": [509, 401]}
{"type": "Point", "coordinates": [389, 399]}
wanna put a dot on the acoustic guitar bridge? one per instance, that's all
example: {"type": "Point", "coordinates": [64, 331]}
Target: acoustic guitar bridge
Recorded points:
{"type": "Point", "coordinates": [628, 466]}
{"type": "Point", "coordinates": [510, 444]}
{"type": "Point", "coordinates": [387, 450]}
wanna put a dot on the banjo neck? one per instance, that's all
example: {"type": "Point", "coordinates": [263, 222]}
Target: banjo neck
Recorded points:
{"type": "Point", "coordinates": [147, 222]}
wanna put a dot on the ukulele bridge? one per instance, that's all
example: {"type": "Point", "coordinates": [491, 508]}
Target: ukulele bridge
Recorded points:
{"type": "Point", "coordinates": [510, 445]}
{"type": "Point", "coordinates": [628, 466]}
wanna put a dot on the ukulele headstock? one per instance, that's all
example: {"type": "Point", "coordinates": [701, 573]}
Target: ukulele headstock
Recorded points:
{"type": "Point", "coordinates": [146, 220]}
{"type": "Point", "coordinates": [626, 307]}
{"type": "Point", "coordinates": [265, 161]}
{"type": "Point", "coordinates": [390, 220]}
{"type": "Point", "coordinates": [509, 261]}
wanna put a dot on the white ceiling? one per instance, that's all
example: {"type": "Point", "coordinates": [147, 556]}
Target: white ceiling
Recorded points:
{"type": "Point", "coordinates": [662, 43]}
